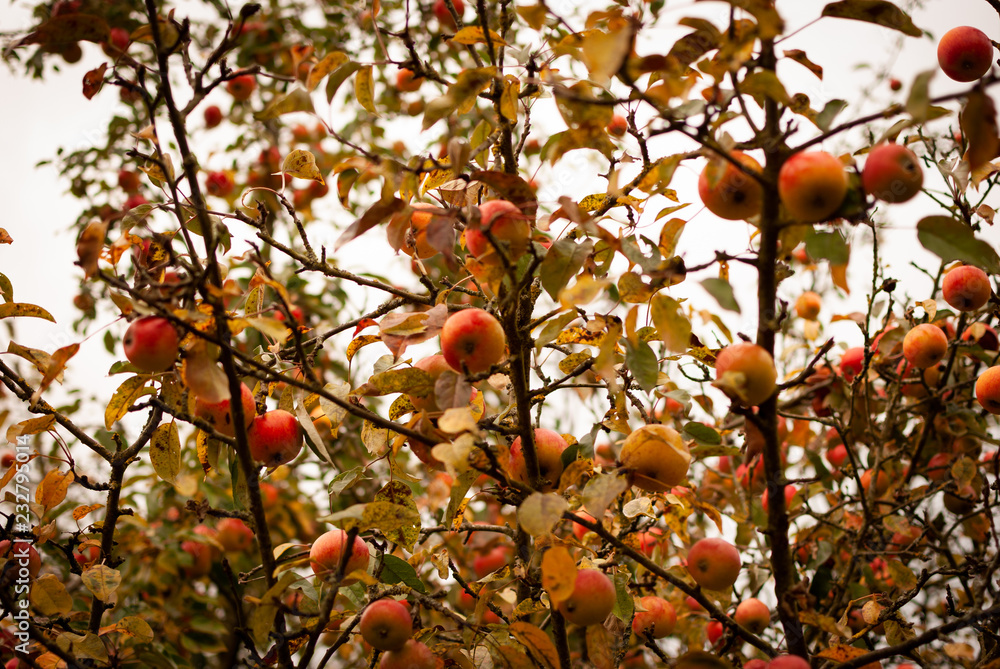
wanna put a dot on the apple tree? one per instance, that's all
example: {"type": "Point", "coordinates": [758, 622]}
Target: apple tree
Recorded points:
{"type": "Point", "coordinates": [513, 391]}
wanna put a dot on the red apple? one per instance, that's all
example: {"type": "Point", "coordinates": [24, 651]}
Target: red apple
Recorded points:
{"type": "Point", "coordinates": [472, 338]}
{"type": "Point", "coordinates": [150, 344]}
{"type": "Point", "coordinates": [508, 225]}
{"type": "Point", "coordinates": [579, 531]}
{"type": "Point", "coordinates": [24, 555]}
{"type": "Point", "coordinates": [965, 53]}
{"type": "Point", "coordinates": [234, 535]}
{"type": "Point", "coordinates": [497, 558]}
{"type": "Point", "coordinates": [618, 126]}
{"type": "Point", "coordinates": [714, 563]}
{"type": "Point", "coordinates": [714, 631]}
{"type": "Point", "coordinates": [435, 365]}
{"type": "Point", "coordinates": [386, 624]}
{"type": "Point", "coordinates": [925, 345]}
{"type": "Point", "coordinates": [213, 116]}
{"type": "Point", "coordinates": [592, 599]}
{"type": "Point", "coordinates": [242, 87]}
{"type": "Point", "coordinates": [406, 82]}
{"type": "Point", "coordinates": [219, 184]}
{"type": "Point", "coordinates": [324, 556]}
{"type": "Point", "coordinates": [789, 494]}
{"type": "Point", "coordinates": [549, 447]}
{"type": "Point", "coordinates": [852, 361]}
{"type": "Point", "coordinates": [788, 662]}
{"type": "Point", "coordinates": [966, 288]}
{"type": "Point", "coordinates": [892, 173]}
{"type": "Point", "coordinates": [753, 614]}
{"type": "Point", "coordinates": [218, 413]}
{"type": "Point", "coordinates": [128, 181]}
{"type": "Point", "coordinates": [812, 185]}
{"type": "Point", "coordinates": [658, 619]}
{"type": "Point", "coordinates": [413, 655]}
{"type": "Point", "coordinates": [275, 438]}
{"type": "Point", "coordinates": [808, 305]}
{"type": "Point", "coordinates": [656, 457]}
{"type": "Point", "coordinates": [729, 192]}
{"type": "Point", "coordinates": [746, 373]}
{"type": "Point", "coordinates": [444, 16]}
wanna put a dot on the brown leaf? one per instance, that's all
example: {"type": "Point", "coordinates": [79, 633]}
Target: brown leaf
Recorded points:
{"type": "Point", "coordinates": [55, 368]}
{"type": "Point", "coordinates": [378, 213]}
{"type": "Point", "coordinates": [89, 246]}
{"type": "Point", "coordinates": [979, 125]}
{"type": "Point", "coordinates": [538, 643]}
{"type": "Point", "coordinates": [93, 81]}
{"type": "Point", "coordinates": [51, 490]}
{"type": "Point", "coordinates": [5, 238]}
{"type": "Point", "coordinates": [558, 574]}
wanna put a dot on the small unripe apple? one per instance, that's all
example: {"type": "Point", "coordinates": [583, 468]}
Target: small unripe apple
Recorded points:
{"type": "Point", "coordinates": [592, 600]}
{"type": "Point", "coordinates": [413, 655]}
{"type": "Point", "coordinates": [386, 624]}
{"type": "Point", "coordinates": [658, 619]}
{"type": "Point", "coordinates": [808, 305]}
{"type": "Point", "coordinates": [753, 614]}
{"type": "Point", "coordinates": [656, 456]}
{"type": "Point", "coordinates": [275, 438]}
{"type": "Point", "coordinates": [219, 416]}
{"type": "Point", "coordinates": [444, 16]}
{"type": "Point", "coordinates": [242, 87]}
{"type": "Point", "coordinates": [925, 345]}
{"type": "Point", "coordinates": [473, 338]}
{"type": "Point", "coordinates": [324, 556]}
{"type": "Point", "coordinates": [728, 192]}
{"type": "Point", "coordinates": [988, 390]}
{"type": "Point", "coordinates": [407, 82]}
{"type": "Point", "coordinates": [213, 116]}
{"type": "Point", "coordinates": [746, 373]}
{"type": "Point", "coordinates": [966, 288]}
{"type": "Point", "coordinates": [618, 126]}
{"type": "Point", "coordinates": [812, 185]}
{"type": "Point", "coordinates": [965, 53]}
{"type": "Point", "coordinates": [549, 446]}
{"type": "Point", "coordinates": [508, 225]}
{"type": "Point", "coordinates": [892, 173]}
{"type": "Point", "coordinates": [788, 662]}
{"type": "Point", "coordinates": [234, 535]}
{"type": "Point", "coordinates": [21, 551]}
{"type": "Point", "coordinates": [714, 563]}
{"type": "Point", "coordinates": [150, 344]}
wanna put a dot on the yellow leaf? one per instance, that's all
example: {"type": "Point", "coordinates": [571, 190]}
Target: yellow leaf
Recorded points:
{"type": "Point", "coordinates": [49, 596]}
{"type": "Point", "coordinates": [52, 489]}
{"type": "Point", "coordinates": [600, 647]}
{"type": "Point", "coordinates": [670, 234]}
{"type": "Point", "coordinates": [302, 165]}
{"type": "Point", "coordinates": [165, 452]}
{"type": "Point", "coordinates": [604, 52]}
{"type": "Point", "coordinates": [330, 62]}
{"type": "Point", "coordinates": [296, 100]}
{"type": "Point", "coordinates": [18, 309]}
{"type": "Point", "coordinates": [126, 395]}
{"type": "Point", "coordinates": [671, 324]}
{"type": "Point", "coordinates": [841, 653]}
{"type": "Point", "coordinates": [539, 513]}
{"type": "Point", "coordinates": [839, 274]}
{"type": "Point", "coordinates": [55, 369]}
{"type": "Point", "coordinates": [135, 627]}
{"type": "Point", "coordinates": [509, 99]}
{"type": "Point", "coordinates": [102, 581]}
{"type": "Point", "coordinates": [29, 427]}
{"type": "Point", "coordinates": [80, 512]}
{"type": "Point", "coordinates": [537, 642]}
{"type": "Point", "coordinates": [584, 291]}
{"type": "Point", "coordinates": [364, 89]}
{"type": "Point", "coordinates": [558, 574]}
{"type": "Point", "coordinates": [474, 35]}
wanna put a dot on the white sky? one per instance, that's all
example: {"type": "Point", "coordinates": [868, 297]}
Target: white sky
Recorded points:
{"type": "Point", "coordinates": [40, 116]}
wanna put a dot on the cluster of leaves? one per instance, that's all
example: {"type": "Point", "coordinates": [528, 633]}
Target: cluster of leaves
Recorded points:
{"type": "Point", "coordinates": [597, 345]}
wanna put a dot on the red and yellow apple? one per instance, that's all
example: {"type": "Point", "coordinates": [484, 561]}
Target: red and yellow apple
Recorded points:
{"type": "Point", "coordinates": [386, 624]}
{"type": "Point", "coordinates": [966, 288]}
{"type": "Point", "coordinates": [24, 556]}
{"type": "Point", "coordinates": [657, 620]}
{"type": "Point", "coordinates": [275, 438]}
{"type": "Point", "coordinates": [729, 192]}
{"type": "Point", "coordinates": [219, 415]}
{"type": "Point", "coordinates": [965, 53]}
{"type": "Point", "coordinates": [746, 373]}
{"type": "Point", "coordinates": [150, 344]}
{"type": "Point", "coordinates": [234, 535]}
{"type": "Point", "coordinates": [808, 305]}
{"type": "Point", "coordinates": [473, 339]}
{"type": "Point", "coordinates": [753, 614]}
{"type": "Point", "coordinates": [892, 173]}
{"type": "Point", "coordinates": [407, 82]}
{"type": "Point", "coordinates": [714, 563]}
{"type": "Point", "coordinates": [617, 126]}
{"type": "Point", "coordinates": [443, 15]}
{"type": "Point", "coordinates": [326, 552]}
{"type": "Point", "coordinates": [925, 345]}
{"type": "Point", "coordinates": [592, 600]}
{"type": "Point", "coordinates": [413, 655]}
{"type": "Point", "coordinates": [508, 226]}
{"type": "Point", "coordinates": [242, 87]}
{"type": "Point", "coordinates": [549, 446]}
{"type": "Point", "coordinates": [812, 185]}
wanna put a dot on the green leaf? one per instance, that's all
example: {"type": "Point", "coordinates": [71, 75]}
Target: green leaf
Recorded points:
{"type": "Point", "coordinates": [397, 570]}
{"type": "Point", "coordinates": [951, 239]}
{"type": "Point", "coordinates": [702, 433]}
{"type": "Point", "coordinates": [830, 111]}
{"type": "Point", "coordinates": [829, 246]}
{"type": "Point", "coordinates": [918, 103]}
{"type": "Point", "coordinates": [563, 260]}
{"type": "Point", "coordinates": [879, 12]}
{"type": "Point", "coordinates": [722, 291]}
{"type": "Point", "coordinates": [298, 100]}
{"type": "Point", "coordinates": [338, 77]}
{"type": "Point", "coordinates": [624, 604]}
{"type": "Point", "coordinates": [346, 480]}
{"type": "Point", "coordinates": [643, 364]}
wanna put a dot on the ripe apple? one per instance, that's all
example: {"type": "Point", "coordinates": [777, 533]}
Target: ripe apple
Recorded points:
{"type": "Point", "coordinates": [150, 344]}
{"type": "Point", "coordinates": [415, 242]}
{"type": "Point", "coordinates": [728, 192]}
{"type": "Point", "coordinates": [988, 340]}
{"type": "Point", "coordinates": [444, 16]}
{"type": "Point", "coordinates": [746, 373]}
{"type": "Point", "coordinates": [714, 563]}
{"type": "Point", "coordinates": [658, 619]}
{"type": "Point", "coordinates": [472, 338]}
{"type": "Point", "coordinates": [18, 551]}
{"type": "Point", "coordinates": [965, 53]}
{"type": "Point", "coordinates": [87, 555]}
{"type": "Point", "coordinates": [789, 494]}
{"type": "Point", "coordinates": [413, 655]}
{"type": "Point", "coordinates": [324, 556]}
{"type": "Point", "coordinates": [435, 365]}
{"type": "Point", "coordinates": [218, 415]}
{"type": "Point", "coordinates": [219, 184]}
{"type": "Point", "coordinates": [201, 558]}
{"type": "Point", "coordinates": [852, 361]}
{"type": "Point", "coordinates": [486, 564]}
{"type": "Point", "coordinates": [406, 82]}
{"type": "Point", "coordinates": [925, 345]}
{"type": "Point", "coordinates": [656, 456]}
{"type": "Point", "coordinates": [549, 446]}
{"type": "Point", "coordinates": [895, 84]}
{"type": "Point", "coordinates": [966, 288]}
{"type": "Point", "coordinates": [234, 535]}
{"type": "Point", "coordinates": [837, 455]}
{"type": "Point", "coordinates": [242, 87]}
{"type": "Point", "coordinates": [892, 173]}
{"type": "Point", "coordinates": [988, 390]}
{"type": "Point", "coordinates": [618, 126]}
{"type": "Point", "coordinates": [386, 624]}
{"type": "Point", "coordinates": [808, 305]}
{"type": "Point", "coordinates": [812, 185]}
{"type": "Point", "coordinates": [275, 438]}
{"type": "Point", "coordinates": [213, 116]}
{"type": "Point", "coordinates": [269, 495]}
{"type": "Point", "coordinates": [938, 466]}
{"type": "Point", "coordinates": [579, 531]}
{"type": "Point", "coordinates": [788, 662]}
{"type": "Point", "coordinates": [128, 181]}
{"type": "Point", "coordinates": [714, 631]}
{"type": "Point", "coordinates": [753, 614]}
{"type": "Point", "coordinates": [592, 599]}
{"type": "Point", "coordinates": [882, 482]}
{"type": "Point", "coordinates": [508, 225]}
